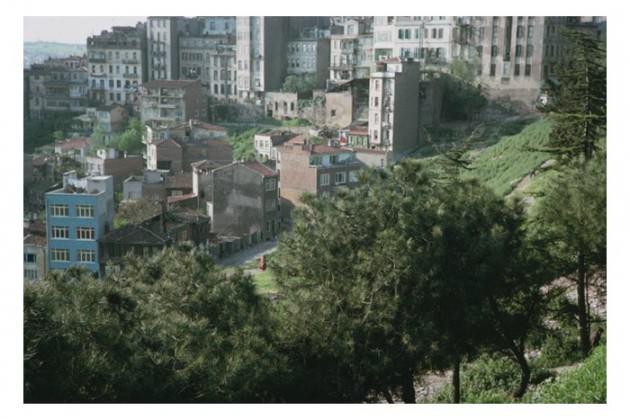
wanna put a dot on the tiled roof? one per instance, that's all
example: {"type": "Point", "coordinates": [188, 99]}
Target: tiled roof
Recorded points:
{"type": "Point", "coordinates": [325, 149]}
{"type": "Point", "coordinates": [259, 168]}
{"type": "Point", "coordinates": [73, 143]}
{"type": "Point", "coordinates": [167, 142]}
{"type": "Point", "coordinates": [179, 198]}
{"type": "Point", "coordinates": [35, 239]}
{"type": "Point", "coordinates": [135, 234]}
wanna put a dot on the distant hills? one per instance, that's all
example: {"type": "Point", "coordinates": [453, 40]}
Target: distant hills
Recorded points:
{"type": "Point", "coordinates": [37, 52]}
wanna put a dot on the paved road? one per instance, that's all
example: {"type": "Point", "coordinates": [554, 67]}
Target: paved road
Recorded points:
{"type": "Point", "coordinates": [249, 254]}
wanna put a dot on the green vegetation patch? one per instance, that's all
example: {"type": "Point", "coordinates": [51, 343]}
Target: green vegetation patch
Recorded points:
{"type": "Point", "coordinates": [265, 282]}
{"type": "Point", "coordinates": [585, 384]}
{"type": "Point", "coordinates": [504, 164]}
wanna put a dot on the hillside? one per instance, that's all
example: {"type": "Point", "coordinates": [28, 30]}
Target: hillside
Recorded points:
{"type": "Point", "coordinates": [502, 165]}
{"type": "Point", "coordinates": [37, 52]}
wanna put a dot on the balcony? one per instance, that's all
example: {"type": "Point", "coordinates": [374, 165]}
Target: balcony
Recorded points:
{"type": "Point", "coordinates": [131, 75]}
{"type": "Point", "coordinates": [130, 61]}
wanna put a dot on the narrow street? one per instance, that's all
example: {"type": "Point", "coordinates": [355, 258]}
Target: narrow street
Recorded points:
{"type": "Point", "coordinates": [249, 254]}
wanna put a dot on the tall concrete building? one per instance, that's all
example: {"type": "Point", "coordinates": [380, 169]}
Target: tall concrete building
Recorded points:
{"type": "Point", "coordinates": [517, 54]}
{"type": "Point", "coordinates": [393, 120]}
{"type": "Point", "coordinates": [351, 51]}
{"type": "Point", "coordinates": [117, 64]}
{"type": "Point", "coordinates": [57, 85]}
{"type": "Point", "coordinates": [428, 39]}
{"type": "Point", "coordinates": [162, 45]}
{"type": "Point", "coordinates": [310, 54]}
{"type": "Point", "coordinates": [261, 54]}
{"type": "Point", "coordinates": [211, 59]}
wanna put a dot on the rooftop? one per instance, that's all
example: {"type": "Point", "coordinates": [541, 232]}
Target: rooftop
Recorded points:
{"type": "Point", "coordinates": [73, 143]}
{"type": "Point", "coordinates": [259, 168]}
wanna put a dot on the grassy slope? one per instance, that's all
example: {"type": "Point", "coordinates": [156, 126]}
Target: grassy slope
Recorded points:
{"type": "Point", "coordinates": [585, 384]}
{"type": "Point", "coordinates": [265, 282]}
{"type": "Point", "coordinates": [502, 165]}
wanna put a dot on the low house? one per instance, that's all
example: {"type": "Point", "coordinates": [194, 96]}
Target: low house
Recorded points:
{"type": "Point", "coordinates": [281, 105]}
{"type": "Point", "coordinates": [108, 119]}
{"type": "Point", "coordinates": [75, 148]}
{"type": "Point", "coordinates": [151, 236]}
{"type": "Point", "coordinates": [165, 155]}
{"type": "Point", "coordinates": [355, 136]}
{"type": "Point", "coordinates": [35, 256]}
{"type": "Point", "coordinates": [150, 185]}
{"type": "Point", "coordinates": [194, 130]}
{"type": "Point", "coordinates": [267, 144]}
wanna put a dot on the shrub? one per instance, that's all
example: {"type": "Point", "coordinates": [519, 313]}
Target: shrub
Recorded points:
{"type": "Point", "coordinates": [585, 384]}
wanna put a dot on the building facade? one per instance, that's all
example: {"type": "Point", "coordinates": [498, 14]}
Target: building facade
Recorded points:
{"type": "Point", "coordinates": [211, 59]}
{"type": "Point", "coordinates": [77, 215]}
{"type": "Point", "coordinates": [57, 85]}
{"type": "Point", "coordinates": [242, 200]}
{"type": "Point", "coordinates": [34, 257]}
{"type": "Point", "coordinates": [310, 54]}
{"type": "Point", "coordinates": [173, 101]}
{"type": "Point", "coordinates": [393, 120]}
{"type": "Point", "coordinates": [352, 51]}
{"type": "Point", "coordinates": [162, 46]}
{"type": "Point", "coordinates": [117, 64]}
{"type": "Point", "coordinates": [316, 169]}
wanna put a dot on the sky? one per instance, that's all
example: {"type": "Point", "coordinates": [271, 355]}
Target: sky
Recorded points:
{"type": "Point", "coordinates": [72, 29]}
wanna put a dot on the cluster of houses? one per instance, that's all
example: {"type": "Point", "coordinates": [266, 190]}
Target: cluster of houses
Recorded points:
{"type": "Point", "coordinates": [375, 84]}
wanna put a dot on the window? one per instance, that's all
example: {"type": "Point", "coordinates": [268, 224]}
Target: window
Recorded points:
{"type": "Point", "coordinates": [270, 185]}
{"type": "Point", "coordinates": [340, 178]}
{"type": "Point", "coordinates": [376, 101]}
{"type": "Point", "coordinates": [86, 255]}
{"type": "Point", "coordinates": [324, 179]}
{"type": "Point", "coordinates": [59, 210]}
{"type": "Point", "coordinates": [519, 51]}
{"type": "Point", "coordinates": [494, 51]}
{"type": "Point", "coordinates": [59, 255]}
{"type": "Point", "coordinates": [85, 233]}
{"type": "Point", "coordinates": [528, 69]}
{"type": "Point", "coordinates": [520, 31]}
{"type": "Point", "coordinates": [517, 69]}
{"type": "Point", "coordinates": [270, 204]}
{"type": "Point", "coordinates": [530, 32]}
{"type": "Point", "coordinates": [334, 159]}
{"type": "Point", "coordinates": [85, 211]}
{"type": "Point", "coordinates": [493, 69]}
{"type": "Point", "coordinates": [30, 274]}
{"type": "Point", "coordinates": [530, 50]}
{"type": "Point", "coordinates": [353, 176]}
{"type": "Point", "coordinates": [440, 33]}
{"type": "Point", "coordinates": [59, 232]}
{"type": "Point", "coordinates": [30, 258]}
{"type": "Point", "coordinates": [433, 33]}
{"type": "Point", "coordinates": [333, 113]}
{"type": "Point", "coordinates": [315, 160]}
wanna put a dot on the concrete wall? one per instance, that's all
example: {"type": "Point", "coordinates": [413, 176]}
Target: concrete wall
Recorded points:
{"type": "Point", "coordinates": [238, 201]}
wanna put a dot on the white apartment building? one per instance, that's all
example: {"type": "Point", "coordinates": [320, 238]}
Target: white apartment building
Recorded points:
{"type": "Point", "coordinates": [351, 52]}
{"type": "Point", "coordinates": [162, 46]}
{"type": "Point", "coordinates": [116, 65]}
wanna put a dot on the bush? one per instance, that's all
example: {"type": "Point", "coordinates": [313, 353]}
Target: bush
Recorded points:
{"type": "Point", "coordinates": [560, 348]}
{"type": "Point", "coordinates": [585, 384]}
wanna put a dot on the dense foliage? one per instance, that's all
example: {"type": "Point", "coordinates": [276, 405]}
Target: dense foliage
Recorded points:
{"type": "Point", "coordinates": [173, 328]}
{"type": "Point", "coordinates": [40, 132]}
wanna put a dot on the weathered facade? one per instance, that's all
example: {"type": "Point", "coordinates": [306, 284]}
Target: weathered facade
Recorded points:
{"type": "Point", "coordinates": [394, 91]}
{"type": "Point", "coordinates": [117, 64]}
{"type": "Point", "coordinates": [281, 105]}
{"type": "Point", "coordinates": [165, 155]}
{"type": "Point", "coordinates": [173, 101]}
{"type": "Point", "coordinates": [109, 162]}
{"type": "Point", "coordinates": [352, 51]}
{"type": "Point", "coordinates": [310, 54]}
{"type": "Point", "coordinates": [242, 200]}
{"type": "Point", "coordinates": [57, 85]}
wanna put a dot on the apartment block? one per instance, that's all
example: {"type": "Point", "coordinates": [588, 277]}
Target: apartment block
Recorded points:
{"type": "Point", "coordinates": [162, 46]}
{"type": "Point", "coordinates": [428, 39]}
{"type": "Point", "coordinates": [212, 60]}
{"type": "Point", "coordinates": [173, 101]}
{"type": "Point", "coordinates": [117, 64]}
{"type": "Point", "coordinates": [351, 51]}
{"type": "Point", "coordinates": [57, 85]}
{"type": "Point", "coordinates": [316, 169]}
{"type": "Point", "coordinates": [393, 120]}
{"type": "Point", "coordinates": [517, 54]}
{"type": "Point", "coordinates": [77, 215]}
{"type": "Point", "coordinates": [310, 54]}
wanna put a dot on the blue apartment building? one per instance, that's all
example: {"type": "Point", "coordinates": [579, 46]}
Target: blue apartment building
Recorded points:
{"type": "Point", "coordinates": [78, 215]}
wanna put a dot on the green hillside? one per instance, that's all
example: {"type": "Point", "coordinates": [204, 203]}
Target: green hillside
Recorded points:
{"type": "Point", "coordinates": [502, 165]}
